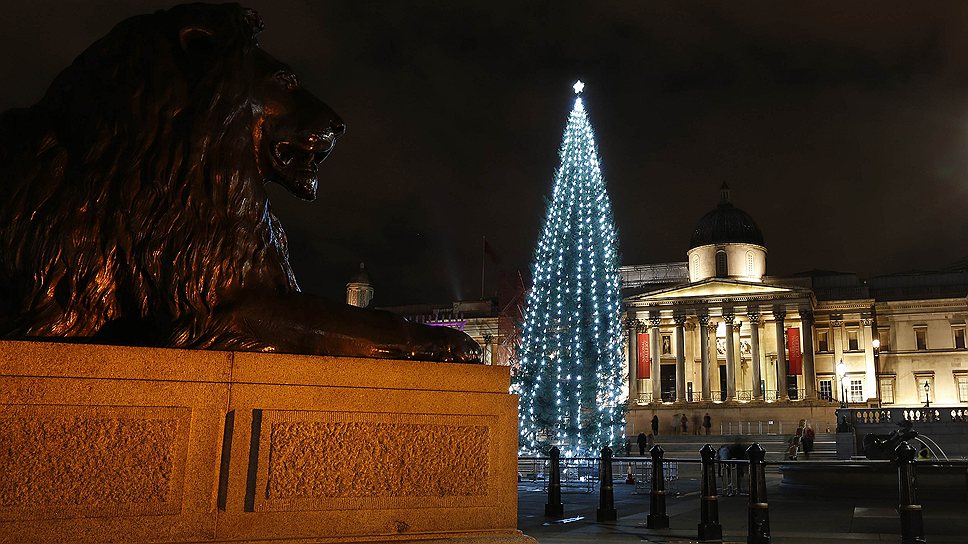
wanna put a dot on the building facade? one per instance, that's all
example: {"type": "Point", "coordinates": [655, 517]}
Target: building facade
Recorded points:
{"type": "Point", "coordinates": [716, 333]}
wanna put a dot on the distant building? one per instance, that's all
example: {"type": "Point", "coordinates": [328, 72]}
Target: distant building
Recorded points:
{"type": "Point", "coordinates": [717, 331]}
{"type": "Point", "coordinates": [359, 290]}
{"type": "Point", "coordinates": [479, 319]}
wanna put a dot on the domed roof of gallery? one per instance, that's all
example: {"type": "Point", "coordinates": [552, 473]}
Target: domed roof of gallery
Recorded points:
{"type": "Point", "coordinates": [725, 224]}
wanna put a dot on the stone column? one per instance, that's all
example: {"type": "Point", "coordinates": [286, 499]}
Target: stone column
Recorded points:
{"type": "Point", "coordinates": [837, 323]}
{"type": "Point", "coordinates": [632, 326]}
{"type": "Point", "coordinates": [728, 318]}
{"type": "Point", "coordinates": [755, 353]}
{"type": "Point", "coordinates": [738, 350]}
{"type": "Point", "coordinates": [869, 370]}
{"type": "Point", "coordinates": [704, 355]}
{"type": "Point", "coordinates": [809, 371]}
{"type": "Point", "coordinates": [779, 314]}
{"type": "Point", "coordinates": [681, 358]}
{"type": "Point", "coordinates": [656, 354]}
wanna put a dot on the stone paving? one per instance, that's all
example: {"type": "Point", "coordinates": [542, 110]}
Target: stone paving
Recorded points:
{"type": "Point", "coordinates": [794, 518]}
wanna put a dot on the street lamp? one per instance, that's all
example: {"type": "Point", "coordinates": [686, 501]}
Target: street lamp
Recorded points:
{"type": "Point", "coordinates": [841, 373]}
{"type": "Point", "coordinates": [927, 398]}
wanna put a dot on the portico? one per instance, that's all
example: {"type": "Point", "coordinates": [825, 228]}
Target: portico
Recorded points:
{"type": "Point", "coordinates": [720, 338]}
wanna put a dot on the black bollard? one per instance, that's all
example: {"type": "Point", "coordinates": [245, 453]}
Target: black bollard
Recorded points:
{"type": "Point", "coordinates": [554, 506]}
{"type": "Point", "coordinates": [658, 519]}
{"type": "Point", "coordinates": [709, 527]}
{"type": "Point", "coordinates": [912, 522]}
{"type": "Point", "coordinates": [606, 504]}
{"type": "Point", "coordinates": [759, 522]}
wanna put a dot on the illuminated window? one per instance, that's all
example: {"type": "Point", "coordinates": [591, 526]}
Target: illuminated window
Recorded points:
{"type": "Point", "coordinates": [962, 387]}
{"type": "Point", "coordinates": [722, 269]}
{"type": "Point", "coordinates": [852, 343]}
{"type": "Point", "coordinates": [919, 381]}
{"type": "Point", "coordinates": [856, 390]}
{"type": "Point", "coordinates": [822, 343]}
{"type": "Point", "coordinates": [885, 338]}
{"type": "Point", "coordinates": [826, 389]}
{"type": "Point", "coordinates": [887, 390]}
{"type": "Point", "coordinates": [921, 338]}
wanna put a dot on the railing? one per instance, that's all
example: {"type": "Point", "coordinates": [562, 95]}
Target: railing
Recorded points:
{"type": "Point", "coordinates": [754, 427]}
{"type": "Point", "coordinates": [935, 414]}
{"type": "Point", "coordinates": [709, 529]}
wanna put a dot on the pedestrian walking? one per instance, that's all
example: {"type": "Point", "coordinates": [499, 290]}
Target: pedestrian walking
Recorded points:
{"type": "Point", "coordinates": [707, 422]}
{"type": "Point", "coordinates": [685, 424]}
{"type": "Point", "coordinates": [725, 470]}
{"type": "Point", "coordinates": [808, 438]}
{"type": "Point", "coordinates": [643, 441]}
{"type": "Point", "coordinates": [655, 425]}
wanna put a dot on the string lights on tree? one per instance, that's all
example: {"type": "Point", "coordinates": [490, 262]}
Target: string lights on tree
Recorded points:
{"type": "Point", "coordinates": [571, 379]}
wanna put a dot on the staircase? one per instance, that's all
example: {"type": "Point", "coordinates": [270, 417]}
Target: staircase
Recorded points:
{"type": "Point", "coordinates": [688, 446]}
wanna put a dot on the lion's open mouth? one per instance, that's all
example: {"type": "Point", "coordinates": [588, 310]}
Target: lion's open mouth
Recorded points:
{"type": "Point", "coordinates": [292, 156]}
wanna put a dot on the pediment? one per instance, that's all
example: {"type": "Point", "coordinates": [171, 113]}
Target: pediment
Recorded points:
{"type": "Point", "coordinates": [719, 288]}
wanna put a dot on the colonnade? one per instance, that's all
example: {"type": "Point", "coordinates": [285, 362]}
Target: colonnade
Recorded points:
{"type": "Point", "coordinates": [708, 360]}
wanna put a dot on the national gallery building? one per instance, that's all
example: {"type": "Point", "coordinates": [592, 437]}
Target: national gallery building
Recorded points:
{"type": "Point", "coordinates": [715, 334]}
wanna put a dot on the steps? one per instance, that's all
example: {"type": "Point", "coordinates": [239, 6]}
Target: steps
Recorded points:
{"type": "Point", "coordinates": [688, 446]}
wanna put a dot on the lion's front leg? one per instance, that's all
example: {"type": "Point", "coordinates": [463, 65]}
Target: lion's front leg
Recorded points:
{"type": "Point", "coordinates": [303, 323]}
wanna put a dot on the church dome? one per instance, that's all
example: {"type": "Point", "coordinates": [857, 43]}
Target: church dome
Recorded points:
{"type": "Point", "coordinates": [726, 224]}
{"type": "Point", "coordinates": [361, 276]}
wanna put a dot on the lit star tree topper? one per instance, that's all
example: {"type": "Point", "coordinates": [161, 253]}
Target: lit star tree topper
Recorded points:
{"type": "Point", "coordinates": [571, 379]}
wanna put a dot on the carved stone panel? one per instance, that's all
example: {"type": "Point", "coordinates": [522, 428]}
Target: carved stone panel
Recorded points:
{"type": "Point", "coordinates": [62, 461]}
{"type": "Point", "coordinates": [339, 460]}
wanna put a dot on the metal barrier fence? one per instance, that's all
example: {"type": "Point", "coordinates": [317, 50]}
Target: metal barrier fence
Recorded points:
{"type": "Point", "coordinates": [580, 474]}
{"type": "Point", "coordinates": [658, 471]}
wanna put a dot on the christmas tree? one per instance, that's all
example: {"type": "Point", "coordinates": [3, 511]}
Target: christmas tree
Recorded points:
{"type": "Point", "coordinates": [571, 377]}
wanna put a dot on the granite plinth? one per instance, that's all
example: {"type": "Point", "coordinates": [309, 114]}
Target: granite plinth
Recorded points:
{"type": "Point", "coordinates": [122, 444]}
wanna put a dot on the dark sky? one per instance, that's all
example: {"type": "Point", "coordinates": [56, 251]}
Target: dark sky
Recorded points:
{"type": "Point", "coordinates": [842, 127]}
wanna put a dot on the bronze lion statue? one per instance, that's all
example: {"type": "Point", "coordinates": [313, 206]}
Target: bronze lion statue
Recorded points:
{"type": "Point", "coordinates": [134, 209]}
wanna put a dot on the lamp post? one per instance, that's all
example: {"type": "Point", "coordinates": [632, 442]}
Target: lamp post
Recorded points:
{"type": "Point", "coordinates": [842, 373]}
{"type": "Point", "coordinates": [927, 397]}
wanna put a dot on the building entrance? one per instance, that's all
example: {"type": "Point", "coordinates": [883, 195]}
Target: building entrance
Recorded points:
{"type": "Point", "coordinates": [668, 383]}
{"type": "Point", "coordinates": [722, 382]}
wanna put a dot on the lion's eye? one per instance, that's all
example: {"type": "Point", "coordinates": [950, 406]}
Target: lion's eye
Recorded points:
{"type": "Point", "coordinates": [288, 79]}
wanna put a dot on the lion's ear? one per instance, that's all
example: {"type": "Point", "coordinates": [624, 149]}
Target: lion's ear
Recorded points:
{"type": "Point", "coordinates": [196, 39]}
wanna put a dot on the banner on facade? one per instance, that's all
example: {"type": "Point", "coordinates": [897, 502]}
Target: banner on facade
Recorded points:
{"type": "Point", "coordinates": [793, 348]}
{"type": "Point", "coordinates": [645, 357]}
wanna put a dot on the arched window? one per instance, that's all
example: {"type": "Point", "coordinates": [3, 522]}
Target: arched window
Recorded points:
{"type": "Point", "coordinates": [695, 266]}
{"type": "Point", "coordinates": [749, 263]}
{"type": "Point", "coordinates": [722, 270]}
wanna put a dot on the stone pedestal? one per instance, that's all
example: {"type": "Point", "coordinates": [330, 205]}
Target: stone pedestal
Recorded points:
{"type": "Point", "coordinates": [120, 444]}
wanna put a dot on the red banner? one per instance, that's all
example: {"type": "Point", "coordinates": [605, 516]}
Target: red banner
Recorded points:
{"type": "Point", "coordinates": [796, 357]}
{"type": "Point", "coordinates": [645, 357]}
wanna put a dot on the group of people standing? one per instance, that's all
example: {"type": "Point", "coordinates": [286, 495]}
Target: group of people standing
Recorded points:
{"type": "Point", "coordinates": [681, 425]}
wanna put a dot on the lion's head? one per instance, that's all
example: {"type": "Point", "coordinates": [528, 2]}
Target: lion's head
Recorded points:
{"type": "Point", "coordinates": [133, 189]}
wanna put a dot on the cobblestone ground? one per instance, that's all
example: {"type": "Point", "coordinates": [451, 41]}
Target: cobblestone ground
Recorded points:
{"type": "Point", "coordinates": [794, 518]}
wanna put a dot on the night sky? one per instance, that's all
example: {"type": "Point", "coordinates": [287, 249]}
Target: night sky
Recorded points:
{"type": "Point", "coordinates": [842, 127]}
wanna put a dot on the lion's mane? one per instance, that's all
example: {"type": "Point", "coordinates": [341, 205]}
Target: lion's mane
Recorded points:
{"type": "Point", "coordinates": [132, 204]}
